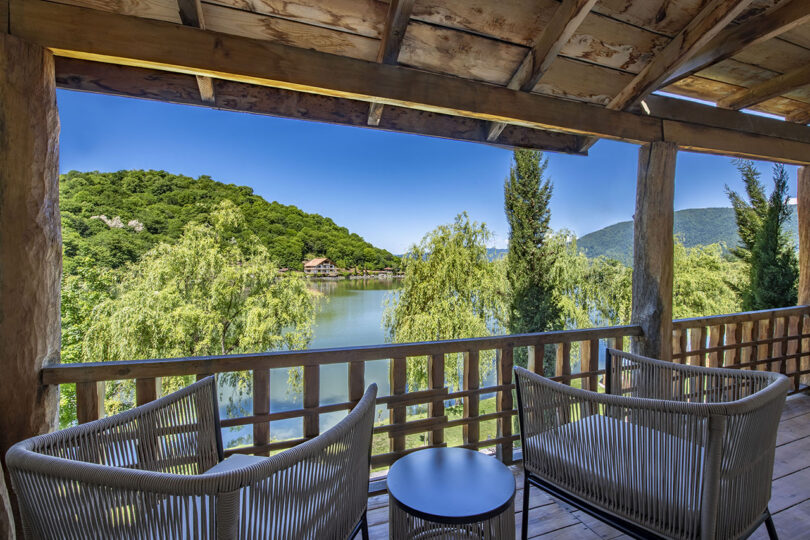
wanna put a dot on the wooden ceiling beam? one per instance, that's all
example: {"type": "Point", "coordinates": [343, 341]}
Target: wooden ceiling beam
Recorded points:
{"type": "Point", "coordinates": [711, 20]}
{"type": "Point", "coordinates": [191, 14]}
{"type": "Point", "coordinates": [799, 117]}
{"type": "Point", "coordinates": [76, 32]}
{"type": "Point", "coordinates": [766, 90]}
{"type": "Point", "coordinates": [399, 15]}
{"type": "Point", "coordinates": [565, 21]}
{"type": "Point", "coordinates": [786, 16]}
{"type": "Point", "coordinates": [97, 77]}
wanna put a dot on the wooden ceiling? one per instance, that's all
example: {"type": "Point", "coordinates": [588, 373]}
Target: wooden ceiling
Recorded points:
{"type": "Point", "coordinates": [611, 54]}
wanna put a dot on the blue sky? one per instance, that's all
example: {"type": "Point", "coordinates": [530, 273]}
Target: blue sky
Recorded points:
{"type": "Point", "coordinates": [390, 188]}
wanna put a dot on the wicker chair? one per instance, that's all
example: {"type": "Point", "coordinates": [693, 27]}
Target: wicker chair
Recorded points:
{"type": "Point", "coordinates": [669, 451]}
{"type": "Point", "coordinates": [156, 471]}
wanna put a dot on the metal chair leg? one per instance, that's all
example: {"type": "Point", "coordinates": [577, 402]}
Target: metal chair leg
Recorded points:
{"type": "Point", "coordinates": [770, 526]}
{"type": "Point", "coordinates": [525, 518]}
{"type": "Point", "coordinates": [364, 526]}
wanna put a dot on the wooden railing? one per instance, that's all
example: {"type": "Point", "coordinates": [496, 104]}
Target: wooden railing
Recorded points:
{"type": "Point", "coordinates": [776, 340]}
{"type": "Point", "coordinates": [582, 370]}
{"type": "Point", "coordinates": [770, 340]}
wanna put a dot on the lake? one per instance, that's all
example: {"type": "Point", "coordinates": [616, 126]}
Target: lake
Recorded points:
{"type": "Point", "coordinates": [349, 315]}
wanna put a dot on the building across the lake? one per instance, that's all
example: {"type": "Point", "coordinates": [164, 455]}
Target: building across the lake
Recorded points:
{"type": "Point", "coordinates": [320, 267]}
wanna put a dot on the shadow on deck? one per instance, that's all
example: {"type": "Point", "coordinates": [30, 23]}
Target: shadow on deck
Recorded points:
{"type": "Point", "coordinates": [790, 499]}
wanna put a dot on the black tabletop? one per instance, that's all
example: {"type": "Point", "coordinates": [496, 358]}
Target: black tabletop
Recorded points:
{"type": "Point", "coordinates": [451, 485]}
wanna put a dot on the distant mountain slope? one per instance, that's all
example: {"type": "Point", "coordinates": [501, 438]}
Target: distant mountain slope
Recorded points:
{"type": "Point", "coordinates": [696, 227]}
{"type": "Point", "coordinates": [113, 218]}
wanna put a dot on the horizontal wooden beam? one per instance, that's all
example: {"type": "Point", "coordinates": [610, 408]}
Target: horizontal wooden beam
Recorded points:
{"type": "Point", "coordinates": [120, 39]}
{"type": "Point", "coordinates": [682, 110]}
{"type": "Point", "coordinates": [766, 90]}
{"type": "Point", "coordinates": [75, 32]}
{"type": "Point", "coordinates": [713, 18]}
{"type": "Point", "coordinates": [730, 41]}
{"type": "Point", "coordinates": [172, 87]}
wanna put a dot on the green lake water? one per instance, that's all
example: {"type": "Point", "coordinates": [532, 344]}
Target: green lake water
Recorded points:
{"type": "Point", "coordinates": [349, 315]}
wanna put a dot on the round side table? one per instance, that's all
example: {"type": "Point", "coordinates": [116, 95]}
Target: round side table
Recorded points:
{"type": "Point", "coordinates": [451, 493]}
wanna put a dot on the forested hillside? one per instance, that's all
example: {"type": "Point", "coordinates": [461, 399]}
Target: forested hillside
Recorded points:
{"type": "Point", "coordinates": [695, 226]}
{"type": "Point", "coordinates": [113, 218]}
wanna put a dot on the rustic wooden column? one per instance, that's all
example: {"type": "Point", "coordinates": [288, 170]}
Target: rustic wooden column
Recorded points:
{"type": "Point", "coordinates": [803, 210]}
{"type": "Point", "coordinates": [653, 249]}
{"type": "Point", "coordinates": [30, 240]}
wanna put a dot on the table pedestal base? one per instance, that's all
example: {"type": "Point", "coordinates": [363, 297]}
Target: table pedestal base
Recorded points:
{"type": "Point", "coordinates": [404, 526]}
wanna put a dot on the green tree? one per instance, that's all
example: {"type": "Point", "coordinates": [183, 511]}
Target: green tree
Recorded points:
{"type": "Point", "coordinates": [451, 290]}
{"type": "Point", "coordinates": [534, 302]}
{"type": "Point", "coordinates": [207, 294]}
{"type": "Point", "coordinates": [765, 245]}
{"type": "Point", "coordinates": [533, 305]}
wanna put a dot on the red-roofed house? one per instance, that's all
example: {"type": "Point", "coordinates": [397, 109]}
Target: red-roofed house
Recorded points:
{"type": "Point", "coordinates": [320, 267]}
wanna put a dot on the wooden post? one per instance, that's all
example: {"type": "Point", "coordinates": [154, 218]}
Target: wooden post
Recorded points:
{"type": "Point", "coordinates": [147, 390]}
{"type": "Point", "coordinates": [589, 361]}
{"type": "Point", "coordinates": [312, 399]}
{"type": "Point", "coordinates": [89, 401]}
{"type": "Point", "coordinates": [472, 380]}
{"type": "Point", "coordinates": [436, 407]}
{"type": "Point", "coordinates": [398, 372]}
{"type": "Point", "coordinates": [30, 242]}
{"type": "Point", "coordinates": [653, 249]}
{"type": "Point", "coordinates": [505, 403]}
{"type": "Point", "coordinates": [803, 210]}
{"type": "Point", "coordinates": [261, 406]}
{"type": "Point", "coordinates": [562, 365]}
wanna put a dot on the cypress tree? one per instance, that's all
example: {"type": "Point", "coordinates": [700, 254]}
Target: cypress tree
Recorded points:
{"type": "Point", "coordinates": [532, 304]}
{"type": "Point", "coordinates": [766, 248]}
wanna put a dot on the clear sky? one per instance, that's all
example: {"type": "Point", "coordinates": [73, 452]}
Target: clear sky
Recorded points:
{"type": "Point", "coordinates": [390, 188]}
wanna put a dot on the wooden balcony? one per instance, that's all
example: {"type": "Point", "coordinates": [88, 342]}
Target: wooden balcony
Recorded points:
{"type": "Point", "coordinates": [774, 340]}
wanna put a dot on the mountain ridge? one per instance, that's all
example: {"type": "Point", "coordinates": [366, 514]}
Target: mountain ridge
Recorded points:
{"type": "Point", "coordinates": [695, 226]}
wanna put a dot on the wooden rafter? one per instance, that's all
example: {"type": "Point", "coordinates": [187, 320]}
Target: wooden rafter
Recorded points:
{"type": "Point", "coordinates": [708, 23]}
{"type": "Point", "coordinates": [799, 117]}
{"type": "Point", "coordinates": [191, 14]}
{"type": "Point", "coordinates": [766, 90]}
{"type": "Point", "coordinates": [784, 17]}
{"type": "Point", "coordinates": [565, 21]}
{"type": "Point", "coordinates": [711, 20]}
{"type": "Point", "coordinates": [71, 31]}
{"type": "Point", "coordinates": [399, 14]}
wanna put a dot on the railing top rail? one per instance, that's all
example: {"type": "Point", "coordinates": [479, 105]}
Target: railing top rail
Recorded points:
{"type": "Point", "coordinates": [748, 316]}
{"type": "Point", "coordinates": [131, 369]}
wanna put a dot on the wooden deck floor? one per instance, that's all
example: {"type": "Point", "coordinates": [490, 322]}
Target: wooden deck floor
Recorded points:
{"type": "Point", "coordinates": [790, 502]}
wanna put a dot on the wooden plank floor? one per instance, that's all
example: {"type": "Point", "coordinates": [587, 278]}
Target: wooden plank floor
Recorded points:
{"type": "Point", "coordinates": [550, 519]}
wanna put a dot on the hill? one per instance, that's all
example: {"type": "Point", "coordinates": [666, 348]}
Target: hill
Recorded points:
{"type": "Point", "coordinates": [696, 227]}
{"type": "Point", "coordinates": [113, 218]}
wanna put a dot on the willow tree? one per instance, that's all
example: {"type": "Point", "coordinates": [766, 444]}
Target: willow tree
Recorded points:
{"type": "Point", "coordinates": [207, 294]}
{"type": "Point", "coordinates": [451, 291]}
